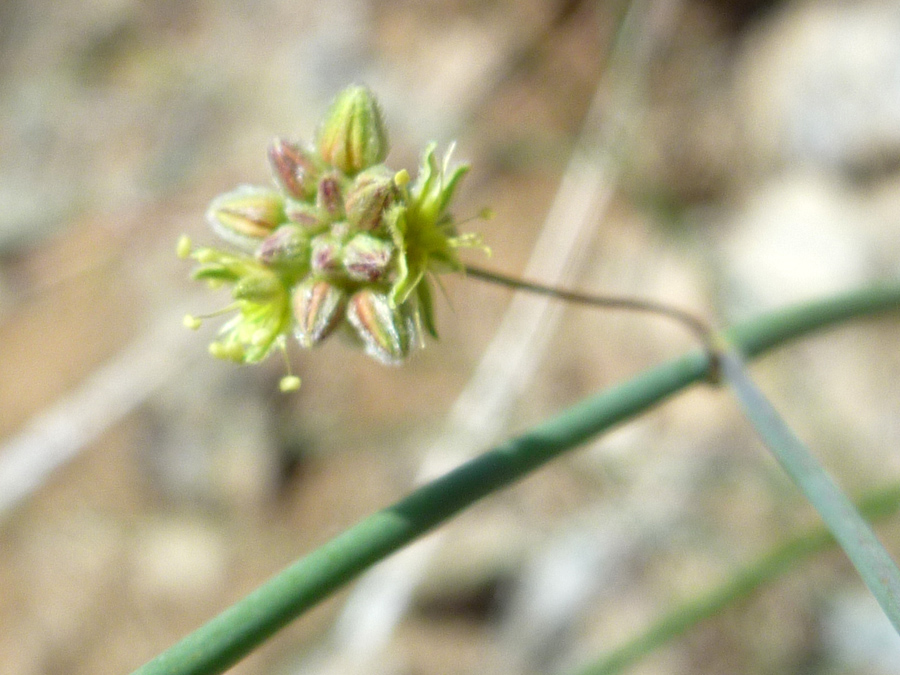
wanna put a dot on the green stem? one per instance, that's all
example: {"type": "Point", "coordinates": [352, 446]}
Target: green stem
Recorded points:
{"type": "Point", "coordinates": [874, 506]}
{"type": "Point", "coordinates": [231, 635]}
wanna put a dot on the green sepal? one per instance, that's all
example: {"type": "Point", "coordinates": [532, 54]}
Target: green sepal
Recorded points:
{"type": "Point", "coordinates": [214, 272]}
{"type": "Point", "coordinates": [426, 308]}
{"type": "Point", "coordinates": [258, 288]}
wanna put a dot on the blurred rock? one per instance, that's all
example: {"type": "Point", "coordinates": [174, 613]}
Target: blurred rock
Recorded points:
{"type": "Point", "coordinates": [859, 637]}
{"type": "Point", "coordinates": [219, 450]}
{"type": "Point", "coordinates": [820, 83]}
{"type": "Point", "coordinates": [178, 562]}
{"type": "Point", "coordinates": [472, 565]}
{"type": "Point", "coordinates": [72, 566]}
{"type": "Point", "coordinates": [796, 237]}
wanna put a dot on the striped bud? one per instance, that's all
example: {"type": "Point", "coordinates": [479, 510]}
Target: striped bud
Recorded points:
{"type": "Point", "coordinates": [352, 136]}
{"type": "Point", "coordinates": [303, 213]}
{"type": "Point", "coordinates": [293, 168]}
{"type": "Point", "coordinates": [366, 258]}
{"type": "Point", "coordinates": [318, 308]}
{"type": "Point", "coordinates": [384, 330]}
{"type": "Point", "coordinates": [328, 197]}
{"type": "Point", "coordinates": [246, 215]}
{"type": "Point", "coordinates": [325, 257]}
{"type": "Point", "coordinates": [368, 197]}
{"type": "Point", "coordinates": [286, 248]}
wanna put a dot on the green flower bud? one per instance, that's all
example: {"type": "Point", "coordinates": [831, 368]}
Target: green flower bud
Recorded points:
{"type": "Point", "coordinates": [246, 216]}
{"type": "Point", "coordinates": [318, 309]}
{"type": "Point", "coordinates": [286, 249]}
{"type": "Point", "coordinates": [369, 197]}
{"type": "Point", "coordinates": [328, 198]}
{"type": "Point", "coordinates": [386, 332]}
{"type": "Point", "coordinates": [352, 136]}
{"type": "Point", "coordinates": [325, 258]}
{"type": "Point", "coordinates": [366, 258]}
{"type": "Point", "coordinates": [294, 168]}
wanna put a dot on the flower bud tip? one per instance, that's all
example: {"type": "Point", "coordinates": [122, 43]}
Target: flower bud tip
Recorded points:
{"type": "Point", "coordinates": [352, 136]}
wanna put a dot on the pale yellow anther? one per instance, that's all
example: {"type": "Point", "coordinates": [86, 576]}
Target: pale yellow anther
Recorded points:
{"type": "Point", "coordinates": [218, 350]}
{"type": "Point", "coordinates": [183, 248]}
{"type": "Point", "coordinates": [289, 383]}
{"type": "Point", "coordinates": [191, 322]}
{"type": "Point", "coordinates": [205, 255]}
{"type": "Point", "coordinates": [401, 178]}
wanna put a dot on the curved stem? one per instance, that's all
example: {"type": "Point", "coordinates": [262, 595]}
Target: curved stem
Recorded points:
{"type": "Point", "coordinates": [692, 322]}
{"type": "Point", "coordinates": [227, 638]}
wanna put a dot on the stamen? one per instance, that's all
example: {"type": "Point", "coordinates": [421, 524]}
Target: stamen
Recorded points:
{"type": "Point", "coordinates": [289, 382]}
{"type": "Point", "coordinates": [183, 248]}
{"type": "Point", "coordinates": [401, 178]}
{"type": "Point", "coordinates": [191, 322]}
{"type": "Point", "coordinates": [190, 319]}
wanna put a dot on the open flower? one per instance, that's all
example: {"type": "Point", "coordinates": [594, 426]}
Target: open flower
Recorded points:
{"type": "Point", "coordinates": [341, 239]}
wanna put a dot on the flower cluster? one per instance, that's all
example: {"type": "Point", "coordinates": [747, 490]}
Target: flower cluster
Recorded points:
{"type": "Point", "coordinates": [341, 243]}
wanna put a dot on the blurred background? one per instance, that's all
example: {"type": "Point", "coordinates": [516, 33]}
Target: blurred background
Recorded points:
{"type": "Point", "coordinates": [725, 156]}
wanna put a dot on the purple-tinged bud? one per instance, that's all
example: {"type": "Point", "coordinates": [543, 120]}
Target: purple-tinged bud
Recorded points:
{"type": "Point", "coordinates": [369, 197]}
{"type": "Point", "coordinates": [304, 214]}
{"type": "Point", "coordinates": [329, 199]}
{"type": "Point", "coordinates": [352, 136]}
{"type": "Point", "coordinates": [385, 332]}
{"type": "Point", "coordinates": [366, 258]}
{"type": "Point", "coordinates": [287, 247]}
{"type": "Point", "coordinates": [293, 168]}
{"type": "Point", "coordinates": [259, 288]}
{"type": "Point", "coordinates": [247, 215]}
{"type": "Point", "coordinates": [318, 309]}
{"type": "Point", "coordinates": [325, 256]}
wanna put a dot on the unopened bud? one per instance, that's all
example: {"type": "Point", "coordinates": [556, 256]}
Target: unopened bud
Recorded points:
{"type": "Point", "coordinates": [286, 248]}
{"type": "Point", "coordinates": [329, 199]}
{"type": "Point", "coordinates": [368, 197]}
{"type": "Point", "coordinates": [293, 168]}
{"type": "Point", "coordinates": [318, 308]}
{"type": "Point", "coordinates": [366, 258]}
{"type": "Point", "coordinates": [303, 213]}
{"type": "Point", "coordinates": [325, 257]}
{"type": "Point", "coordinates": [247, 215]}
{"type": "Point", "coordinates": [386, 333]}
{"type": "Point", "coordinates": [352, 136]}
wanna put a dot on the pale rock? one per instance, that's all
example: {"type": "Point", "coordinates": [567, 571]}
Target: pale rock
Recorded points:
{"type": "Point", "coordinates": [796, 238]}
{"type": "Point", "coordinates": [819, 83]}
{"type": "Point", "coordinates": [178, 561]}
